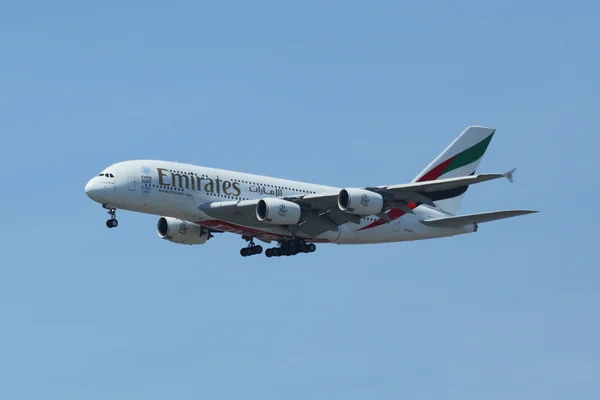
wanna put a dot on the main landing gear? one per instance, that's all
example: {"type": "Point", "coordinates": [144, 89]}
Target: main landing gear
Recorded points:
{"type": "Point", "coordinates": [112, 222]}
{"type": "Point", "coordinates": [291, 248]}
{"type": "Point", "coordinates": [252, 248]}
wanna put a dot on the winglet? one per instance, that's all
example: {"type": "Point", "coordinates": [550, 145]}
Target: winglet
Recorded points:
{"type": "Point", "coordinates": [509, 175]}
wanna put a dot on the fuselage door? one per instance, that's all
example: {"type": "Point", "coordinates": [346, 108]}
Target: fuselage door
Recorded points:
{"type": "Point", "coordinates": [131, 183]}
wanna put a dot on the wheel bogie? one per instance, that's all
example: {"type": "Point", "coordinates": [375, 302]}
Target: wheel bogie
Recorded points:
{"type": "Point", "coordinates": [251, 251]}
{"type": "Point", "coordinates": [291, 248]}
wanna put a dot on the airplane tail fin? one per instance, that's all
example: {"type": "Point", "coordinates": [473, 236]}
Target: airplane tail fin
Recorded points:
{"type": "Point", "coordinates": [461, 158]}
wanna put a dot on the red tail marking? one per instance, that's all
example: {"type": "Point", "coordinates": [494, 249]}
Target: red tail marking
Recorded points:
{"type": "Point", "coordinates": [436, 171]}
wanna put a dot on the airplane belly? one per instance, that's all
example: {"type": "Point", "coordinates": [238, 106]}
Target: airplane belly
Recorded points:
{"type": "Point", "coordinates": [352, 234]}
{"type": "Point", "coordinates": [329, 236]}
{"type": "Point", "coordinates": [261, 233]}
{"type": "Point", "coordinates": [404, 228]}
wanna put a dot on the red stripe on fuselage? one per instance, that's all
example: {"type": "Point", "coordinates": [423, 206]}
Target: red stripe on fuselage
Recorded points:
{"type": "Point", "coordinates": [246, 231]}
{"type": "Point", "coordinates": [394, 213]}
{"type": "Point", "coordinates": [431, 175]}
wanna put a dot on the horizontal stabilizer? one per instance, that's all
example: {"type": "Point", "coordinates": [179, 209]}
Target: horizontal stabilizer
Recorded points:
{"type": "Point", "coordinates": [444, 184]}
{"type": "Point", "coordinates": [463, 220]}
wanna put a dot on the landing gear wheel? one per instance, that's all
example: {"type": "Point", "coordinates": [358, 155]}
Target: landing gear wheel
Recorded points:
{"type": "Point", "coordinates": [290, 248]}
{"type": "Point", "coordinates": [250, 251]}
{"type": "Point", "coordinates": [112, 222]}
{"type": "Point", "coordinates": [252, 248]}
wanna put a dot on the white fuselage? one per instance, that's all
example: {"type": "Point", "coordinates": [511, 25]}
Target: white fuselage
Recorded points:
{"type": "Point", "coordinates": [177, 190]}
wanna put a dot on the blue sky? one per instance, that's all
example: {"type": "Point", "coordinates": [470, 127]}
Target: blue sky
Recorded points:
{"type": "Point", "coordinates": [340, 93]}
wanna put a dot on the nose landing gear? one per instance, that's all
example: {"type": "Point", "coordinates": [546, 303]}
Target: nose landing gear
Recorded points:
{"type": "Point", "coordinates": [112, 222]}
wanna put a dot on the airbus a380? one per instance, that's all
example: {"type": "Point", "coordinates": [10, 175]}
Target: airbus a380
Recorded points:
{"type": "Point", "coordinates": [195, 202]}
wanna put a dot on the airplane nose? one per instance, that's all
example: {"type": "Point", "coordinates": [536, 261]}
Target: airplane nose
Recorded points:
{"type": "Point", "coordinates": [91, 188]}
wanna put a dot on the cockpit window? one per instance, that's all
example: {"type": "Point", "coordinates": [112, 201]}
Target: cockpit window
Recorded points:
{"type": "Point", "coordinates": [101, 175]}
{"type": "Point", "coordinates": [107, 175]}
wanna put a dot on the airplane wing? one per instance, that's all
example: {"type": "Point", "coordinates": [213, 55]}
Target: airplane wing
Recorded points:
{"type": "Point", "coordinates": [463, 220]}
{"type": "Point", "coordinates": [320, 211]}
{"type": "Point", "coordinates": [428, 191]}
{"type": "Point", "coordinates": [241, 212]}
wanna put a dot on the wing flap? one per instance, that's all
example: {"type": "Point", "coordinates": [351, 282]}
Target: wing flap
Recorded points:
{"type": "Point", "coordinates": [314, 225]}
{"type": "Point", "coordinates": [463, 220]}
{"type": "Point", "coordinates": [322, 201]}
{"type": "Point", "coordinates": [318, 215]}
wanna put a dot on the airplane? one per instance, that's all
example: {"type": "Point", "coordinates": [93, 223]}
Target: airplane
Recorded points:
{"type": "Point", "coordinates": [194, 202]}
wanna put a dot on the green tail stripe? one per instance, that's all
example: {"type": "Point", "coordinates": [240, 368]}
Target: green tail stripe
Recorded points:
{"type": "Point", "coordinates": [470, 155]}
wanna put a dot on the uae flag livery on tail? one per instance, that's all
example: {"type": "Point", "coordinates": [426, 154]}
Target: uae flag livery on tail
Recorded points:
{"type": "Point", "coordinates": [461, 158]}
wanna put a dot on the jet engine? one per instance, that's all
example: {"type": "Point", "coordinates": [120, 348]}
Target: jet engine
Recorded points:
{"type": "Point", "coordinates": [277, 211]}
{"type": "Point", "coordinates": [181, 232]}
{"type": "Point", "coordinates": [360, 201]}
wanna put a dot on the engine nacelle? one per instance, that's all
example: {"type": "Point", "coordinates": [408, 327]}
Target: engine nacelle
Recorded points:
{"type": "Point", "coordinates": [360, 201]}
{"type": "Point", "coordinates": [277, 211]}
{"type": "Point", "coordinates": [181, 232]}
